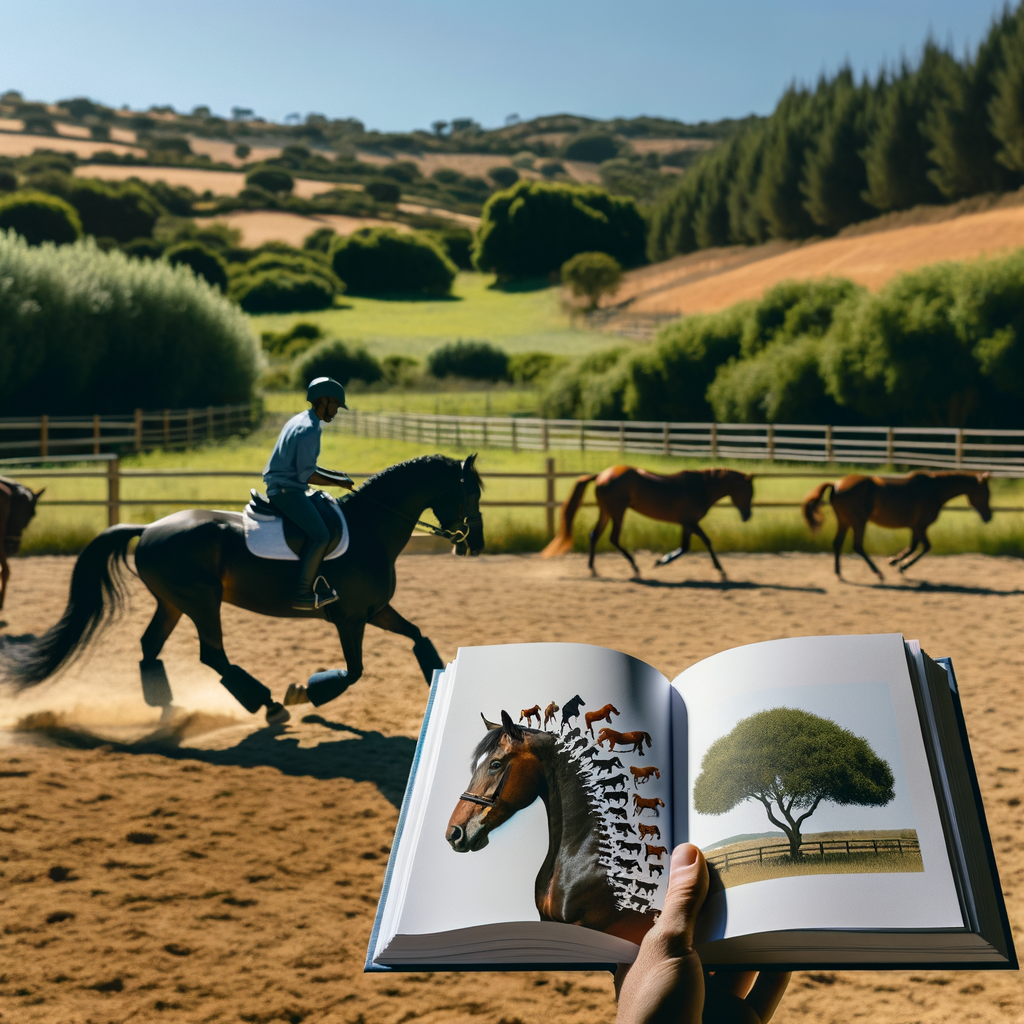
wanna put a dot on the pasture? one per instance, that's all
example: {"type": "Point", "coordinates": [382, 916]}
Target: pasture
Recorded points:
{"type": "Point", "coordinates": [210, 870]}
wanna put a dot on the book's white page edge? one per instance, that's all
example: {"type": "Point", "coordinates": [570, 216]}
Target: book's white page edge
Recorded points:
{"type": "Point", "coordinates": [871, 901]}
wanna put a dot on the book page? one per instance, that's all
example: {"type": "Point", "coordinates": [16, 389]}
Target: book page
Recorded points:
{"type": "Point", "coordinates": [809, 789]}
{"type": "Point", "coordinates": [553, 830]}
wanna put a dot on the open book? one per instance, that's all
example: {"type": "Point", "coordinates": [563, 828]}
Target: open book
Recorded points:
{"type": "Point", "coordinates": [828, 781]}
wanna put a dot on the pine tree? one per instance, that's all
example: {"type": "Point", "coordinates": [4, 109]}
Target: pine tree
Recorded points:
{"type": "Point", "coordinates": [711, 217]}
{"type": "Point", "coordinates": [746, 225]}
{"type": "Point", "coordinates": [1006, 108]}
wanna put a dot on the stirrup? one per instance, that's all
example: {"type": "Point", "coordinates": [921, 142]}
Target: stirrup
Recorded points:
{"type": "Point", "coordinates": [329, 598]}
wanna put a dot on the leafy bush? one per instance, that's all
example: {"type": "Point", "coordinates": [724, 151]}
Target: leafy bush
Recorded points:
{"type": "Point", "coordinates": [591, 147]}
{"type": "Point", "coordinates": [474, 360]}
{"type": "Point", "coordinates": [457, 244]}
{"type": "Point", "coordinates": [532, 228]}
{"type": "Point", "coordinates": [399, 371]}
{"type": "Point", "coordinates": [85, 331]}
{"type": "Point", "coordinates": [284, 259]}
{"type": "Point", "coordinates": [551, 168]}
{"type": "Point", "coordinates": [144, 248]}
{"type": "Point", "coordinates": [39, 218]}
{"type": "Point", "coordinates": [592, 274]}
{"type": "Point", "coordinates": [242, 150]}
{"type": "Point", "coordinates": [277, 292]}
{"type": "Point", "coordinates": [204, 262]}
{"type": "Point", "coordinates": [270, 179]}
{"type": "Point", "coordinates": [380, 260]}
{"type": "Point", "coordinates": [319, 240]}
{"type": "Point", "coordinates": [531, 367]}
{"type": "Point", "coordinates": [383, 191]}
{"type": "Point", "coordinates": [8, 180]}
{"type": "Point", "coordinates": [503, 176]}
{"type": "Point", "coordinates": [336, 359]}
{"type": "Point", "coordinates": [122, 212]}
{"type": "Point", "coordinates": [297, 339]}
{"type": "Point", "coordinates": [592, 389]}
{"type": "Point", "coordinates": [404, 171]}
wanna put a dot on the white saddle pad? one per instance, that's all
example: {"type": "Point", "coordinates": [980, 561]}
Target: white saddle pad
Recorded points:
{"type": "Point", "coordinates": [264, 536]}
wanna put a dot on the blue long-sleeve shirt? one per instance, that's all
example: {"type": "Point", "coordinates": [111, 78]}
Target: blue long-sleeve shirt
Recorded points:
{"type": "Point", "coordinates": [293, 460]}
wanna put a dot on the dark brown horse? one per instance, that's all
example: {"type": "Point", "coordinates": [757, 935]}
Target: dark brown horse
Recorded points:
{"type": "Point", "coordinates": [682, 498]}
{"type": "Point", "coordinates": [633, 739]}
{"type": "Point", "coordinates": [193, 561]}
{"type": "Point", "coordinates": [512, 766]}
{"type": "Point", "coordinates": [17, 507]}
{"type": "Point", "coordinates": [913, 501]}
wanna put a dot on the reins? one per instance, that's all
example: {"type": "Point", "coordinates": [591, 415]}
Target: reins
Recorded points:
{"type": "Point", "coordinates": [456, 535]}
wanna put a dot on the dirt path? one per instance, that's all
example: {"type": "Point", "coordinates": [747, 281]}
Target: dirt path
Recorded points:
{"type": "Point", "coordinates": [220, 872]}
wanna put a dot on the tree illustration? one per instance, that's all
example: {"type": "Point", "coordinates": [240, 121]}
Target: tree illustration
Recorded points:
{"type": "Point", "coordinates": [790, 761]}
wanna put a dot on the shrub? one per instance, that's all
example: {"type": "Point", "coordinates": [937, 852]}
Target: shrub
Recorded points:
{"type": "Point", "coordinates": [319, 240]}
{"type": "Point", "coordinates": [404, 171]}
{"type": "Point", "coordinates": [284, 259]}
{"type": "Point", "coordinates": [336, 359]}
{"type": "Point", "coordinates": [530, 367]}
{"type": "Point", "coordinates": [591, 147]}
{"type": "Point", "coordinates": [277, 292]}
{"type": "Point", "coordinates": [551, 169]}
{"type": "Point", "coordinates": [457, 244]}
{"type": "Point", "coordinates": [383, 191]}
{"type": "Point", "coordinates": [380, 260]}
{"type": "Point", "coordinates": [399, 371]}
{"type": "Point", "coordinates": [175, 145]}
{"type": "Point", "coordinates": [474, 360]}
{"type": "Point", "coordinates": [242, 150]}
{"type": "Point", "coordinates": [144, 248]}
{"type": "Point", "coordinates": [205, 263]}
{"type": "Point", "coordinates": [592, 274]}
{"type": "Point", "coordinates": [293, 342]}
{"type": "Point", "coordinates": [503, 176]}
{"type": "Point", "coordinates": [532, 228]}
{"type": "Point", "coordinates": [91, 332]}
{"type": "Point", "coordinates": [8, 180]}
{"type": "Point", "coordinates": [594, 388]}
{"type": "Point", "coordinates": [270, 179]}
{"type": "Point", "coordinates": [39, 218]}
{"type": "Point", "coordinates": [122, 212]}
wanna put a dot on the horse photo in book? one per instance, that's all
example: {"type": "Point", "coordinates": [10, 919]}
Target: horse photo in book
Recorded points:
{"type": "Point", "coordinates": [512, 767]}
{"type": "Point", "coordinates": [913, 502]}
{"type": "Point", "coordinates": [195, 560]}
{"type": "Point", "coordinates": [17, 507]}
{"type": "Point", "coordinates": [682, 498]}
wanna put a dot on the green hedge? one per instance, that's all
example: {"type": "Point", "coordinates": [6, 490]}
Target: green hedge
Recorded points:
{"type": "Point", "coordinates": [39, 218]}
{"type": "Point", "coordinates": [82, 331]}
{"type": "Point", "coordinates": [344, 361]}
{"type": "Point", "coordinates": [204, 262]}
{"type": "Point", "coordinates": [380, 260]}
{"type": "Point", "coordinates": [474, 360]}
{"type": "Point", "coordinates": [291, 281]}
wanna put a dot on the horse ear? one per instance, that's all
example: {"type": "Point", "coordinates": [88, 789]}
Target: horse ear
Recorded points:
{"type": "Point", "coordinates": [490, 725]}
{"type": "Point", "coordinates": [468, 464]}
{"type": "Point", "coordinates": [981, 476]}
{"type": "Point", "coordinates": [512, 731]}
{"type": "Point", "coordinates": [37, 495]}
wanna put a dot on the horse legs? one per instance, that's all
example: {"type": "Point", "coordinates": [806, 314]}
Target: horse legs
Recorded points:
{"type": "Point", "coordinates": [426, 653]}
{"type": "Point", "coordinates": [837, 545]}
{"type": "Point", "coordinates": [697, 529]}
{"type": "Point", "coordinates": [858, 546]}
{"type": "Point", "coordinates": [595, 536]}
{"type": "Point", "coordinates": [614, 538]}
{"type": "Point", "coordinates": [926, 546]}
{"type": "Point", "coordinates": [156, 690]}
{"type": "Point", "coordinates": [681, 550]}
{"type": "Point", "coordinates": [322, 687]}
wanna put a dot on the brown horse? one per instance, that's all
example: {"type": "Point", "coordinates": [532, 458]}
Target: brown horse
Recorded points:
{"type": "Point", "coordinates": [634, 739]}
{"type": "Point", "coordinates": [682, 498]}
{"type": "Point", "coordinates": [601, 715]}
{"type": "Point", "coordinates": [530, 714]}
{"type": "Point", "coordinates": [549, 713]}
{"type": "Point", "coordinates": [913, 501]}
{"type": "Point", "coordinates": [642, 775]}
{"type": "Point", "coordinates": [651, 831]}
{"type": "Point", "coordinates": [512, 766]}
{"type": "Point", "coordinates": [17, 507]}
{"type": "Point", "coordinates": [643, 803]}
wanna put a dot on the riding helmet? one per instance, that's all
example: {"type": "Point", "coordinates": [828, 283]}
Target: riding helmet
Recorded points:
{"type": "Point", "coordinates": [326, 387]}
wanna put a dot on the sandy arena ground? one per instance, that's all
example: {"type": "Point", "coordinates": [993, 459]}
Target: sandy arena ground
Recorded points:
{"type": "Point", "coordinates": [215, 871]}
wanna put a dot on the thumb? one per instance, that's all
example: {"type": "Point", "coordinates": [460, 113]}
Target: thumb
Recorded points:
{"type": "Point", "coordinates": [687, 888]}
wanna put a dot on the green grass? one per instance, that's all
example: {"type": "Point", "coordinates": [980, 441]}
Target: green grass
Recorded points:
{"type": "Point", "coordinates": [67, 529]}
{"type": "Point", "coordinates": [500, 400]}
{"type": "Point", "coordinates": [518, 321]}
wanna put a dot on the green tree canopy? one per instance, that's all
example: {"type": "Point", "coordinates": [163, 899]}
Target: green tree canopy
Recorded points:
{"type": "Point", "coordinates": [790, 761]}
{"type": "Point", "coordinates": [592, 274]}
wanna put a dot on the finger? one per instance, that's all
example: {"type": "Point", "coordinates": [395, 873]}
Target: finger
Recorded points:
{"type": "Point", "coordinates": [687, 887]}
{"type": "Point", "coordinates": [767, 993]}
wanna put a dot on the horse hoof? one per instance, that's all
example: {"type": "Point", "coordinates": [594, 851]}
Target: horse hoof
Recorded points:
{"type": "Point", "coordinates": [277, 714]}
{"type": "Point", "coordinates": [296, 694]}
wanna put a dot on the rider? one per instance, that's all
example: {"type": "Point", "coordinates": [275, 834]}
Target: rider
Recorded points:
{"type": "Point", "coordinates": [291, 468]}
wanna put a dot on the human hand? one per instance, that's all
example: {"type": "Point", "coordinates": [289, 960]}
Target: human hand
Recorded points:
{"type": "Point", "coordinates": [668, 985]}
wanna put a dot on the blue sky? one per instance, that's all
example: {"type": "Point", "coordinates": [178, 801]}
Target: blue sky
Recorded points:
{"type": "Point", "coordinates": [400, 64]}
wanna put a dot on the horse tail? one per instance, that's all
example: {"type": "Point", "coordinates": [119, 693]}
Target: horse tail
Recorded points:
{"type": "Point", "coordinates": [811, 507]}
{"type": "Point", "coordinates": [97, 594]}
{"type": "Point", "coordinates": [563, 540]}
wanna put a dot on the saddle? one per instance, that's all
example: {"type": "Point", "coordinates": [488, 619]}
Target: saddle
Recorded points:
{"type": "Point", "coordinates": [260, 512]}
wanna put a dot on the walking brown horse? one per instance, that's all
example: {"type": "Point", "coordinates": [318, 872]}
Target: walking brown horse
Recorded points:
{"type": "Point", "coordinates": [913, 501]}
{"type": "Point", "coordinates": [682, 498]}
{"type": "Point", "coordinates": [17, 507]}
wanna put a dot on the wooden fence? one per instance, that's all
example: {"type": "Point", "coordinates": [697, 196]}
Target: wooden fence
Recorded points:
{"type": "Point", "coordinates": [166, 428]}
{"type": "Point", "coordinates": [998, 451]}
{"type": "Point", "coordinates": [725, 860]}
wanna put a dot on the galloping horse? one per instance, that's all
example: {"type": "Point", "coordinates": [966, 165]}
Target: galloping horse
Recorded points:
{"type": "Point", "coordinates": [193, 561]}
{"type": "Point", "coordinates": [682, 498]}
{"type": "Point", "coordinates": [17, 507]}
{"type": "Point", "coordinates": [600, 715]}
{"type": "Point", "coordinates": [512, 766]}
{"type": "Point", "coordinates": [913, 501]}
{"type": "Point", "coordinates": [635, 739]}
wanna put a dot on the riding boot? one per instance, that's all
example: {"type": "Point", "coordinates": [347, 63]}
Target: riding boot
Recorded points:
{"type": "Point", "coordinates": [306, 597]}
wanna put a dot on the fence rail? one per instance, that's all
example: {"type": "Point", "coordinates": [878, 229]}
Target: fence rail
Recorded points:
{"type": "Point", "coordinates": [726, 860]}
{"type": "Point", "coordinates": [165, 428]}
{"type": "Point", "coordinates": [998, 451]}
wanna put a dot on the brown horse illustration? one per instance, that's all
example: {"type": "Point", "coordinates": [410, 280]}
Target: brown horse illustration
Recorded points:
{"type": "Point", "coordinates": [643, 803]}
{"type": "Point", "coordinates": [634, 739]}
{"type": "Point", "coordinates": [682, 498]}
{"type": "Point", "coordinates": [649, 831]}
{"type": "Point", "coordinates": [913, 501]}
{"type": "Point", "coordinates": [549, 713]}
{"type": "Point", "coordinates": [601, 715]}
{"type": "Point", "coordinates": [530, 713]}
{"type": "Point", "coordinates": [654, 851]}
{"type": "Point", "coordinates": [641, 775]}
{"type": "Point", "coordinates": [17, 507]}
{"type": "Point", "coordinates": [512, 766]}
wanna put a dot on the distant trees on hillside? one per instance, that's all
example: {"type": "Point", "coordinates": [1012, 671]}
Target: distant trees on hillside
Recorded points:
{"type": "Point", "coordinates": [845, 151]}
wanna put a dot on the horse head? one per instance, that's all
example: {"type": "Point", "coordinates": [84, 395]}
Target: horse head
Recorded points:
{"type": "Point", "coordinates": [459, 511]}
{"type": "Point", "coordinates": [508, 775]}
{"type": "Point", "coordinates": [22, 508]}
{"type": "Point", "coordinates": [978, 496]}
{"type": "Point", "coordinates": [742, 492]}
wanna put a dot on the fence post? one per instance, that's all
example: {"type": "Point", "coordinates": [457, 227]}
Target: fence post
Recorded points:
{"type": "Point", "coordinates": [167, 428]}
{"type": "Point", "coordinates": [622, 437]}
{"type": "Point", "coordinates": [666, 440]}
{"type": "Point", "coordinates": [485, 425]}
{"type": "Point", "coordinates": [188, 428]}
{"type": "Point", "coordinates": [959, 446]}
{"type": "Point", "coordinates": [714, 440]}
{"type": "Point", "coordinates": [583, 435]}
{"type": "Point", "coordinates": [549, 507]}
{"type": "Point", "coordinates": [138, 429]}
{"type": "Point", "coordinates": [544, 434]}
{"type": "Point", "coordinates": [771, 442]}
{"type": "Point", "coordinates": [113, 491]}
{"type": "Point", "coordinates": [890, 445]}
{"type": "Point", "coordinates": [96, 434]}
{"type": "Point", "coordinates": [828, 443]}
{"type": "Point", "coordinates": [515, 442]}
{"type": "Point", "coordinates": [209, 422]}
{"type": "Point", "coordinates": [44, 435]}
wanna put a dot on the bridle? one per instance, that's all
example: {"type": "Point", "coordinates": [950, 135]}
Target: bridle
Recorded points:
{"type": "Point", "coordinates": [487, 801]}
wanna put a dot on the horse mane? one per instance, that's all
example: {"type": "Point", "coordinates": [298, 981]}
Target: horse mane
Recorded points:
{"type": "Point", "coordinates": [387, 476]}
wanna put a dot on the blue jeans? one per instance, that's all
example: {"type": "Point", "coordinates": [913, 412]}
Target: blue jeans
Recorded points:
{"type": "Point", "coordinates": [299, 509]}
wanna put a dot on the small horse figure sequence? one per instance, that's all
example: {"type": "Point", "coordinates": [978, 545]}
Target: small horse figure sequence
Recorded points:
{"type": "Point", "coordinates": [682, 498]}
{"type": "Point", "coordinates": [601, 715]}
{"type": "Point", "coordinates": [635, 740]}
{"type": "Point", "coordinates": [529, 714]}
{"type": "Point", "coordinates": [512, 767]}
{"type": "Point", "coordinates": [17, 507]}
{"type": "Point", "coordinates": [193, 561]}
{"type": "Point", "coordinates": [549, 713]}
{"type": "Point", "coordinates": [642, 775]}
{"type": "Point", "coordinates": [913, 501]}
{"type": "Point", "coordinates": [571, 711]}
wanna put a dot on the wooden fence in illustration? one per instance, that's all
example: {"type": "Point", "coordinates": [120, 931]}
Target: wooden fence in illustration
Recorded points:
{"type": "Point", "coordinates": [724, 860]}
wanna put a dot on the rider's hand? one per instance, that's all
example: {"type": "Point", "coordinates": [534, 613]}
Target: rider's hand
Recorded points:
{"type": "Point", "coordinates": [667, 984]}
